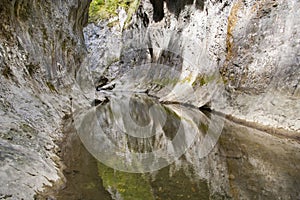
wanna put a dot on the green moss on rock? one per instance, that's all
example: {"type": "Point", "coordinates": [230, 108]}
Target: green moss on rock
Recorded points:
{"type": "Point", "coordinates": [105, 9]}
{"type": "Point", "coordinates": [129, 185]}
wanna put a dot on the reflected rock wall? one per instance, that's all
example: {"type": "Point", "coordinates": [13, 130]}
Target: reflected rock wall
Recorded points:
{"type": "Point", "coordinates": [249, 46]}
{"type": "Point", "coordinates": [217, 158]}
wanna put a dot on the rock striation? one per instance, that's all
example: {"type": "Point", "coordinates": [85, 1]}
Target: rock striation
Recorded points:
{"type": "Point", "coordinates": [247, 52]}
{"type": "Point", "coordinates": [252, 47]}
{"type": "Point", "coordinates": [41, 47]}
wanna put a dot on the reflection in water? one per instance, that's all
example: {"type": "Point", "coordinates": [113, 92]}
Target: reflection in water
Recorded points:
{"type": "Point", "coordinates": [135, 133]}
{"type": "Point", "coordinates": [260, 166]}
{"type": "Point", "coordinates": [160, 185]}
{"type": "Point", "coordinates": [244, 164]}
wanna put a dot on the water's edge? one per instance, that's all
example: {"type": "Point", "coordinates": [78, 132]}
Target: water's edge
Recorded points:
{"type": "Point", "coordinates": [233, 168]}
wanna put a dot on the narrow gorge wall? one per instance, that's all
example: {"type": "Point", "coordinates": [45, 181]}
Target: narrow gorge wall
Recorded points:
{"type": "Point", "coordinates": [262, 65]}
{"type": "Point", "coordinates": [253, 46]}
{"type": "Point", "coordinates": [249, 47]}
{"type": "Point", "coordinates": [41, 47]}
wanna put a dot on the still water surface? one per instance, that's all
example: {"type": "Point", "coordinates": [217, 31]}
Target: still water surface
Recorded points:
{"type": "Point", "coordinates": [242, 162]}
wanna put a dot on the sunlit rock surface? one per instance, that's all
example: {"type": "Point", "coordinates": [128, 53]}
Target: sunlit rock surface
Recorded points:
{"type": "Point", "coordinates": [252, 47]}
{"type": "Point", "coordinates": [262, 64]}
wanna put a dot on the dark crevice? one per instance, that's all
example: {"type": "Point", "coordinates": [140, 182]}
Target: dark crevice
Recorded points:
{"type": "Point", "coordinates": [174, 6]}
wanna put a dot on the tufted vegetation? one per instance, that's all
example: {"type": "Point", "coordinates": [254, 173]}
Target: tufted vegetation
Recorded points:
{"type": "Point", "coordinates": [104, 9]}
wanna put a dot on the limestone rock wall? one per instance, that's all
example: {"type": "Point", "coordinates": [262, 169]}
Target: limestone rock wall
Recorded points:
{"type": "Point", "coordinates": [261, 69]}
{"type": "Point", "coordinates": [249, 47]}
{"type": "Point", "coordinates": [41, 47]}
{"type": "Point", "coordinates": [255, 46]}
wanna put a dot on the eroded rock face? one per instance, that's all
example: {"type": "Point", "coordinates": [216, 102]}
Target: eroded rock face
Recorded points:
{"type": "Point", "coordinates": [256, 47]}
{"type": "Point", "coordinates": [252, 47]}
{"type": "Point", "coordinates": [41, 46]}
{"type": "Point", "coordinates": [262, 62]}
